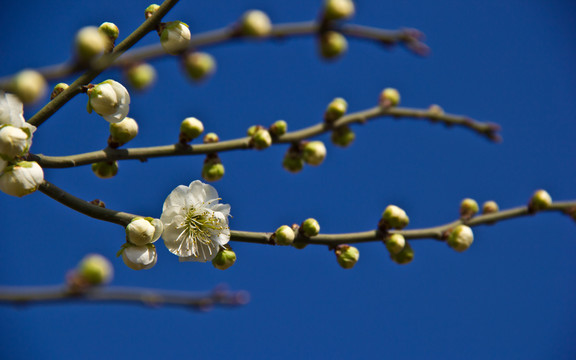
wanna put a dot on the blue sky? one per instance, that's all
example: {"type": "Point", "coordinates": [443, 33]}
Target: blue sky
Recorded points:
{"type": "Point", "coordinates": [511, 295]}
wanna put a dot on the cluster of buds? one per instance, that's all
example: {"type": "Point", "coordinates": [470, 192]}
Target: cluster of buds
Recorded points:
{"type": "Point", "coordinates": [309, 152]}
{"type": "Point", "coordinates": [262, 138]}
{"type": "Point", "coordinates": [139, 252]}
{"type": "Point", "coordinates": [400, 250]}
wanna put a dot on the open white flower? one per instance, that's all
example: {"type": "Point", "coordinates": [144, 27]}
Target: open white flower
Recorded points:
{"type": "Point", "coordinates": [11, 110]}
{"type": "Point", "coordinates": [195, 224]}
{"type": "Point", "coordinates": [109, 99]}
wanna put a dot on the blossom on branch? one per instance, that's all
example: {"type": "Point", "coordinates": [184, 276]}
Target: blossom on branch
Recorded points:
{"type": "Point", "coordinates": [21, 178]}
{"type": "Point", "coordinates": [195, 223]}
{"type": "Point", "coordinates": [15, 132]}
{"type": "Point", "coordinates": [109, 99]}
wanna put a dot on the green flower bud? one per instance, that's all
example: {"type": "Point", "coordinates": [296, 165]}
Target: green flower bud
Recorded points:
{"type": "Point", "coordinates": [335, 110]}
{"type": "Point", "coordinates": [347, 256]}
{"type": "Point", "coordinates": [314, 153]}
{"type": "Point", "coordinates": [141, 76]}
{"type": "Point", "coordinates": [105, 169]}
{"type": "Point", "coordinates": [199, 65]}
{"type": "Point", "coordinates": [175, 37]}
{"type": "Point", "coordinates": [394, 218]}
{"type": "Point", "coordinates": [262, 139]}
{"type": "Point", "coordinates": [252, 130]}
{"type": "Point", "coordinates": [293, 162]}
{"type": "Point", "coordinates": [190, 129]}
{"type": "Point", "coordinates": [540, 200]}
{"type": "Point", "coordinates": [95, 269]}
{"type": "Point", "coordinates": [142, 257]}
{"type": "Point", "coordinates": [405, 256]}
{"type": "Point", "coordinates": [435, 111]}
{"type": "Point", "coordinates": [460, 238]}
{"type": "Point", "coordinates": [284, 235]}
{"type": "Point", "coordinates": [211, 138]}
{"type": "Point", "coordinates": [224, 259]}
{"type": "Point", "coordinates": [213, 170]}
{"type": "Point", "coordinates": [299, 245]}
{"type": "Point", "coordinates": [343, 136]}
{"type": "Point", "coordinates": [332, 44]}
{"type": "Point", "coordinates": [90, 43]}
{"type": "Point", "coordinates": [389, 97]}
{"type": "Point", "coordinates": [338, 9]}
{"type": "Point", "coordinates": [490, 207]}
{"type": "Point", "coordinates": [150, 10]}
{"type": "Point", "coordinates": [310, 227]}
{"type": "Point", "coordinates": [29, 86]}
{"type": "Point", "coordinates": [122, 132]}
{"type": "Point", "coordinates": [279, 128]}
{"type": "Point", "coordinates": [395, 243]}
{"type": "Point", "coordinates": [58, 89]}
{"type": "Point", "coordinates": [110, 30]}
{"type": "Point", "coordinates": [255, 23]}
{"type": "Point", "coordinates": [468, 208]}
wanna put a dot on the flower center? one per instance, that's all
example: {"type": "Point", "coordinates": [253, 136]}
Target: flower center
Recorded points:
{"type": "Point", "coordinates": [200, 227]}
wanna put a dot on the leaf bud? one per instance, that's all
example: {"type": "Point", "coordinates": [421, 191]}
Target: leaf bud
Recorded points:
{"type": "Point", "coordinates": [122, 132]}
{"type": "Point", "coordinates": [335, 110]}
{"type": "Point", "coordinates": [190, 129]}
{"type": "Point", "coordinates": [460, 238]}
{"type": "Point", "coordinates": [389, 97]}
{"type": "Point", "coordinates": [199, 65]}
{"type": "Point", "coordinates": [255, 23]}
{"type": "Point", "coordinates": [310, 227]}
{"type": "Point", "coordinates": [29, 86]}
{"type": "Point", "coordinates": [175, 37]}
{"type": "Point", "coordinates": [540, 200]}
{"type": "Point", "coordinates": [314, 153]}
{"type": "Point", "coordinates": [338, 9]}
{"type": "Point", "coordinates": [394, 217]}
{"type": "Point", "coordinates": [58, 89]}
{"type": "Point", "coordinates": [284, 235]}
{"type": "Point", "coordinates": [395, 243]}
{"type": "Point", "coordinates": [224, 259]}
{"type": "Point", "coordinates": [136, 257]}
{"type": "Point", "coordinates": [279, 128]}
{"type": "Point", "coordinates": [95, 269]}
{"type": "Point", "coordinates": [105, 169]}
{"type": "Point", "coordinates": [347, 256]}
{"type": "Point", "coordinates": [343, 136]}
{"type": "Point", "coordinates": [332, 44]}
{"type": "Point", "coordinates": [141, 76]}
{"type": "Point", "coordinates": [405, 256]}
{"type": "Point", "coordinates": [468, 208]}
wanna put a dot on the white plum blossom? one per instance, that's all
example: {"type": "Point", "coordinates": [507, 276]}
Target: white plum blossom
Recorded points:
{"type": "Point", "coordinates": [195, 223]}
{"type": "Point", "coordinates": [175, 37]}
{"type": "Point", "coordinates": [15, 132]}
{"type": "Point", "coordinates": [109, 99]}
{"type": "Point", "coordinates": [22, 178]}
{"type": "Point", "coordinates": [139, 257]}
{"type": "Point", "coordinates": [142, 231]}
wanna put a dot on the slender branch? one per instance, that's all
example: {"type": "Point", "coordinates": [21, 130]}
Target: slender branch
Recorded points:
{"type": "Point", "coordinates": [488, 130]}
{"type": "Point", "coordinates": [102, 64]}
{"type": "Point", "coordinates": [227, 34]}
{"type": "Point", "coordinates": [144, 296]}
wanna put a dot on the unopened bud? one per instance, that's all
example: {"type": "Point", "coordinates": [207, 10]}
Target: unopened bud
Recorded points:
{"type": "Point", "coordinates": [490, 207]}
{"type": "Point", "coordinates": [335, 110]}
{"type": "Point", "coordinates": [293, 162]}
{"type": "Point", "coordinates": [190, 129]}
{"type": "Point", "coordinates": [279, 128]}
{"type": "Point", "coordinates": [343, 136]}
{"type": "Point", "coordinates": [211, 138]}
{"type": "Point", "coordinates": [110, 30]}
{"type": "Point", "coordinates": [332, 44]}
{"type": "Point", "coordinates": [90, 43]}
{"type": "Point", "coordinates": [347, 256]}
{"type": "Point", "coordinates": [212, 170]}
{"type": "Point", "coordinates": [255, 23]}
{"type": "Point", "coordinates": [29, 86]}
{"type": "Point", "coordinates": [284, 235]}
{"type": "Point", "coordinates": [314, 153]}
{"type": "Point", "coordinates": [175, 37]}
{"type": "Point", "coordinates": [262, 139]}
{"type": "Point", "coordinates": [394, 217]}
{"type": "Point", "coordinates": [405, 256]}
{"type": "Point", "coordinates": [224, 259]}
{"type": "Point", "coordinates": [310, 227]}
{"type": "Point", "coordinates": [199, 65]}
{"type": "Point", "coordinates": [150, 10]}
{"type": "Point", "coordinates": [58, 89]}
{"type": "Point", "coordinates": [14, 141]}
{"type": "Point", "coordinates": [95, 269]}
{"type": "Point", "coordinates": [21, 179]}
{"type": "Point", "coordinates": [141, 76]}
{"type": "Point", "coordinates": [105, 169]}
{"type": "Point", "coordinates": [460, 238]}
{"type": "Point", "coordinates": [389, 97]}
{"type": "Point", "coordinates": [141, 231]}
{"type": "Point", "coordinates": [395, 243]}
{"type": "Point", "coordinates": [122, 132]}
{"type": "Point", "coordinates": [139, 257]}
{"type": "Point", "coordinates": [338, 9]}
{"type": "Point", "coordinates": [435, 111]}
{"type": "Point", "coordinates": [468, 208]}
{"type": "Point", "coordinates": [540, 200]}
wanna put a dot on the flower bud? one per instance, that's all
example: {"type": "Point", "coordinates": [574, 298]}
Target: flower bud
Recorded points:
{"type": "Point", "coordinates": [435, 111]}
{"type": "Point", "coordinates": [29, 86]}
{"type": "Point", "coordinates": [347, 256]}
{"type": "Point", "coordinates": [314, 153]}
{"type": "Point", "coordinates": [175, 37]}
{"type": "Point", "coordinates": [284, 235]}
{"type": "Point", "coordinates": [394, 217]}
{"type": "Point", "coordinates": [395, 243]}
{"type": "Point", "coordinates": [338, 9]}
{"type": "Point", "coordinates": [110, 100]}
{"type": "Point", "coordinates": [212, 170]}
{"type": "Point", "coordinates": [142, 231]}
{"type": "Point", "coordinates": [540, 200]}
{"type": "Point", "coordinates": [405, 256]}
{"type": "Point", "coordinates": [293, 162]}
{"type": "Point", "coordinates": [310, 227]}
{"type": "Point", "coordinates": [190, 129]}
{"type": "Point", "coordinates": [105, 169]}
{"type": "Point", "coordinates": [14, 141]}
{"type": "Point", "coordinates": [468, 208]}
{"type": "Point", "coordinates": [22, 178]}
{"type": "Point", "coordinates": [150, 10]}
{"type": "Point", "coordinates": [261, 139]}
{"type": "Point", "coordinates": [58, 89]}
{"type": "Point", "coordinates": [95, 269]}
{"type": "Point", "coordinates": [255, 23]}
{"type": "Point", "coordinates": [279, 128]}
{"type": "Point", "coordinates": [335, 110]}
{"type": "Point", "coordinates": [141, 76]}
{"type": "Point", "coordinates": [389, 97]}
{"type": "Point", "coordinates": [332, 44]}
{"type": "Point", "coordinates": [139, 257]}
{"type": "Point", "coordinates": [343, 136]}
{"type": "Point", "coordinates": [490, 207]}
{"type": "Point", "coordinates": [199, 65]}
{"type": "Point", "coordinates": [460, 238]}
{"type": "Point", "coordinates": [211, 138]}
{"type": "Point", "coordinates": [122, 132]}
{"type": "Point", "coordinates": [90, 43]}
{"type": "Point", "coordinates": [224, 259]}
{"type": "Point", "coordinates": [110, 30]}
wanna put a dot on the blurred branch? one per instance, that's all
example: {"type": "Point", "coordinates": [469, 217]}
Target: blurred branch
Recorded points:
{"type": "Point", "coordinates": [102, 64]}
{"type": "Point", "coordinates": [487, 130]}
{"type": "Point", "coordinates": [19, 296]}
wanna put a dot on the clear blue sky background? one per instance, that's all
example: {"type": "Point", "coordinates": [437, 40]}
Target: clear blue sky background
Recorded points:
{"type": "Point", "coordinates": [511, 296]}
